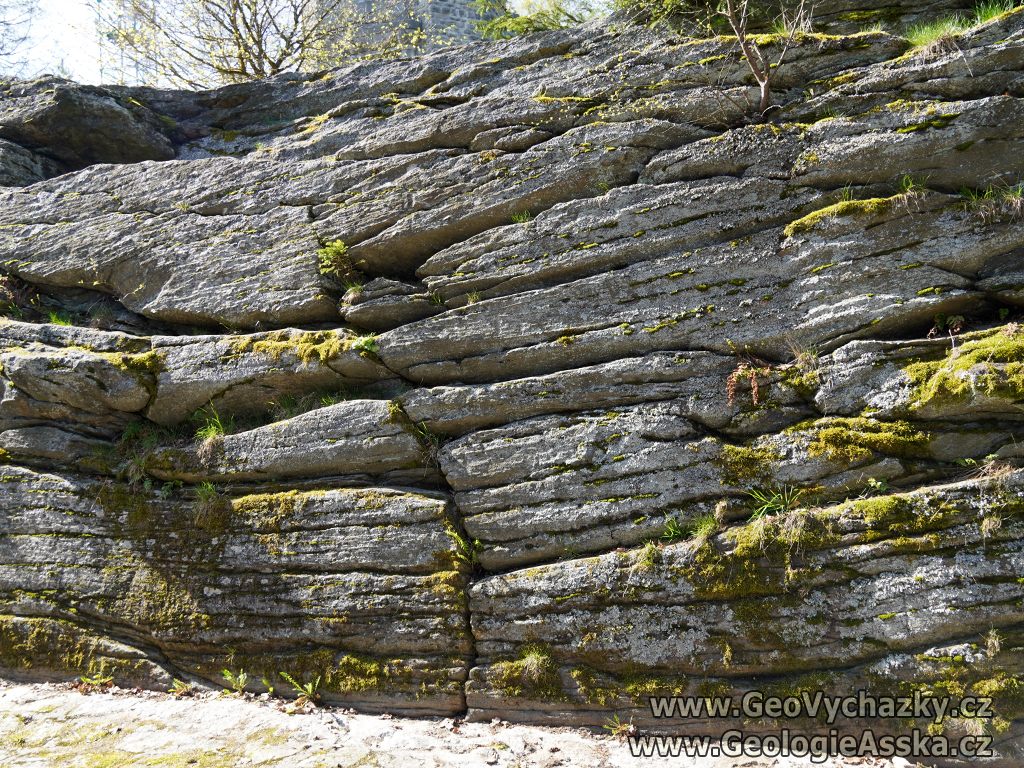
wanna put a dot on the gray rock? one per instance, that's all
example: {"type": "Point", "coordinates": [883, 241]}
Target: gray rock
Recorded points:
{"type": "Point", "coordinates": [840, 589]}
{"type": "Point", "coordinates": [18, 409]}
{"type": "Point", "coordinates": [699, 379]}
{"type": "Point", "coordinates": [622, 227]}
{"type": "Point", "coordinates": [571, 166]}
{"type": "Point", "coordinates": [365, 575]}
{"type": "Point", "coordinates": [19, 167]}
{"type": "Point", "coordinates": [40, 445]}
{"type": "Point", "coordinates": [537, 489]}
{"type": "Point", "coordinates": [245, 375]}
{"type": "Point", "coordinates": [77, 125]}
{"type": "Point", "coordinates": [831, 282]}
{"type": "Point", "coordinates": [389, 312]}
{"type": "Point", "coordinates": [14, 334]}
{"type": "Point", "coordinates": [951, 144]}
{"type": "Point", "coordinates": [183, 268]}
{"type": "Point", "coordinates": [356, 437]}
{"type": "Point", "coordinates": [84, 380]}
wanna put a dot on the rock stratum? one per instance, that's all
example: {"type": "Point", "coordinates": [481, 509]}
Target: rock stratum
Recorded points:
{"type": "Point", "coordinates": [527, 379]}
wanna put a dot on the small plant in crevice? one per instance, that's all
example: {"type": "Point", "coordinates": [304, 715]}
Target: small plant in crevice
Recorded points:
{"type": "Point", "coordinates": [992, 9]}
{"type": "Point", "coordinates": [647, 557]}
{"type": "Point", "coordinates": [288, 406]}
{"type": "Point", "coordinates": [367, 343]}
{"type": "Point", "coordinates": [995, 203]}
{"type": "Point", "coordinates": [523, 217]}
{"type": "Point", "coordinates": [911, 191]}
{"type": "Point", "coordinates": [473, 297]}
{"type": "Point", "coordinates": [60, 317]}
{"type": "Point", "coordinates": [703, 527]}
{"type": "Point", "coordinates": [993, 642]}
{"type": "Point", "coordinates": [950, 324]}
{"type": "Point", "coordinates": [333, 261]}
{"type": "Point", "coordinates": [211, 511]}
{"type": "Point", "coordinates": [672, 530]}
{"type": "Point", "coordinates": [749, 368]}
{"type": "Point", "coordinates": [619, 729]}
{"type": "Point", "coordinates": [237, 682]}
{"type": "Point", "coordinates": [307, 694]}
{"type": "Point", "coordinates": [179, 688]}
{"type": "Point", "coordinates": [772, 502]}
{"type": "Point", "coordinates": [212, 426]}
{"type": "Point", "coordinates": [937, 37]}
{"type": "Point", "coordinates": [466, 553]}
{"type": "Point", "coordinates": [98, 683]}
{"type": "Point", "coordinates": [431, 442]}
{"type": "Point", "coordinates": [990, 466]}
{"type": "Point", "coordinates": [20, 301]}
{"type": "Point", "coordinates": [875, 487]}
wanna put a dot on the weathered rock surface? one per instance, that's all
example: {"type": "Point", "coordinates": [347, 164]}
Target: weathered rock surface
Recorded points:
{"type": "Point", "coordinates": [802, 595]}
{"type": "Point", "coordinates": [808, 286]}
{"type": "Point", "coordinates": [246, 374]}
{"type": "Point", "coordinates": [20, 167]}
{"type": "Point", "coordinates": [669, 398]}
{"type": "Point", "coordinates": [352, 438]}
{"type": "Point", "coordinates": [78, 125]}
{"type": "Point", "coordinates": [294, 582]}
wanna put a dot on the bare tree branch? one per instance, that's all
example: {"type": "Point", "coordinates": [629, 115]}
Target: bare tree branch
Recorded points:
{"type": "Point", "coordinates": [16, 18]}
{"type": "Point", "coordinates": [198, 43]}
{"type": "Point", "coordinates": [760, 65]}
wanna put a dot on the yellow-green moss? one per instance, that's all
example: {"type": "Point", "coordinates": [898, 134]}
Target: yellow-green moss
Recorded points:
{"type": "Point", "coordinates": [900, 514]}
{"type": "Point", "coordinates": [744, 466]}
{"type": "Point", "coordinates": [265, 511]}
{"type": "Point", "coordinates": [872, 207]}
{"type": "Point", "coordinates": [595, 690]}
{"type": "Point", "coordinates": [59, 646]}
{"type": "Point", "coordinates": [852, 440]}
{"type": "Point", "coordinates": [308, 346]}
{"type": "Point", "coordinates": [533, 675]}
{"type": "Point", "coordinates": [990, 362]}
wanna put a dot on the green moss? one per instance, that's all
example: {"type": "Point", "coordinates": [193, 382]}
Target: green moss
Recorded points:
{"type": "Point", "coordinates": [533, 675]}
{"type": "Point", "coordinates": [888, 16]}
{"type": "Point", "coordinates": [941, 122]}
{"type": "Point", "coordinates": [257, 505]}
{"type": "Point", "coordinates": [59, 646]}
{"type": "Point", "coordinates": [594, 689]}
{"type": "Point", "coordinates": [990, 362]}
{"type": "Point", "coordinates": [872, 207]}
{"type": "Point", "coordinates": [356, 672]}
{"type": "Point", "coordinates": [852, 440]}
{"type": "Point", "coordinates": [745, 466]}
{"type": "Point", "coordinates": [150, 363]}
{"type": "Point", "coordinates": [347, 672]}
{"type": "Point", "coordinates": [900, 514]}
{"type": "Point", "coordinates": [307, 346]}
{"type": "Point", "coordinates": [801, 378]}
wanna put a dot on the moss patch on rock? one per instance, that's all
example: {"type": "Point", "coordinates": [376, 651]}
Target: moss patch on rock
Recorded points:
{"type": "Point", "coordinates": [989, 362]}
{"type": "Point", "coordinates": [853, 440]}
{"type": "Point", "coordinates": [872, 207]}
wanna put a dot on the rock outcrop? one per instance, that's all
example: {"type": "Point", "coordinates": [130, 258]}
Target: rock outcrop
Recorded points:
{"type": "Point", "coordinates": [529, 379]}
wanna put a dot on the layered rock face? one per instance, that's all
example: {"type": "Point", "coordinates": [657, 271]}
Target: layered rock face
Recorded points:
{"type": "Point", "coordinates": [527, 379]}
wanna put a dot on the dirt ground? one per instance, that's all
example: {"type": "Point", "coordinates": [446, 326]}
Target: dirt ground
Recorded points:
{"type": "Point", "coordinates": [51, 724]}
